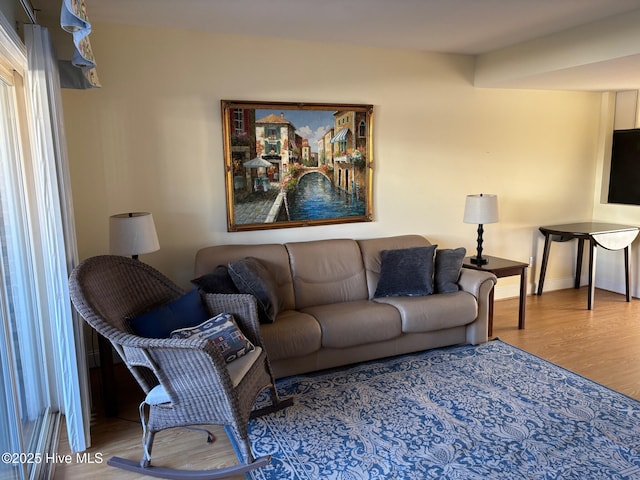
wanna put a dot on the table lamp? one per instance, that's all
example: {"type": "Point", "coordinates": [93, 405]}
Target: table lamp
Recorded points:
{"type": "Point", "coordinates": [132, 234]}
{"type": "Point", "coordinates": [480, 209]}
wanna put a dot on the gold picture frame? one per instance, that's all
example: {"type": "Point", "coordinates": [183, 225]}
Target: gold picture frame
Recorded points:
{"type": "Point", "coordinates": [297, 164]}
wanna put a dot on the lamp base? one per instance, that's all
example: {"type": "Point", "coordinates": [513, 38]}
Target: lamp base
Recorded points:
{"type": "Point", "coordinates": [479, 260]}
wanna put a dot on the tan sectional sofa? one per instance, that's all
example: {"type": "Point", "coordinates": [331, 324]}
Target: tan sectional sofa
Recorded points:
{"type": "Point", "coordinates": [327, 313]}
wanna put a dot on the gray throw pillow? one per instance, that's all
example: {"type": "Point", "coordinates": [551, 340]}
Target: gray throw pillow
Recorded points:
{"type": "Point", "coordinates": [217, 281]}
{"type": "Point", "coordinates": [448, 266]}
{"type": "Point", "coordinates": [406, 272]}
{"type": "Point", "coordinates": [251, 276]}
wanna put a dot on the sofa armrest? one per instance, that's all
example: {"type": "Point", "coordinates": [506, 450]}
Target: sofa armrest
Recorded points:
{"type": "Point", "coordinates": [480, 285]}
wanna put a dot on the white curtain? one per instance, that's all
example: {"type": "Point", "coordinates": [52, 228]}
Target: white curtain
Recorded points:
{"type": "Point", "coordinates": [57, 254]}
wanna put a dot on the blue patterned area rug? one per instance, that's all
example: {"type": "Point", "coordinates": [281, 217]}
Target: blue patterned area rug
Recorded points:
{"type": "Point", "coordinates": [486, 412]}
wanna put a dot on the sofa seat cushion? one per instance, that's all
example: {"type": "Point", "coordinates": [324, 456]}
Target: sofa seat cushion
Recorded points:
{"type": "Point", "coordinates": [349, 324]}
{"type": "Point", "coordinates": [293, 334]}
{"type": "Point", "coordinates": [434, 312]}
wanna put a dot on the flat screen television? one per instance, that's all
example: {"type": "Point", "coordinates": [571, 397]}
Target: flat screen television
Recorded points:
{"type": "Point", "coordinates": [624, 178]}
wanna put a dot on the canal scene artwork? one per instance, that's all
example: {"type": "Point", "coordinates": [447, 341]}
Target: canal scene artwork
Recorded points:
{"type": "Point", "coordinates": [297, 164]}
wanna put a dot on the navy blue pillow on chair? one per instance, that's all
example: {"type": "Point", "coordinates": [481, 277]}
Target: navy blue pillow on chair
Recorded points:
{"type": "Point", "coordinates": [186, 311]}
{"type": "Point", "coordinates": [406, 272]}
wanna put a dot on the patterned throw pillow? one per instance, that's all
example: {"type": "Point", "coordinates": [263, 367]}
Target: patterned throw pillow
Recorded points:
{"type": "Point", "coordinates": [223, 331]}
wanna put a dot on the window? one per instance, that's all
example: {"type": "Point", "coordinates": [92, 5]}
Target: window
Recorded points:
{"type": "Point", "coordinates": [40, 357]}
{"type": "Point", "coordinates": [24, 402]}
{"type": "Point", "coordinates": [362, 129]}
{"type": "Point", "coordinates": [238, 121]}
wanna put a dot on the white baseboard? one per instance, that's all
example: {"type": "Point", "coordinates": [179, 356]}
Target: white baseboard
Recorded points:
{"type": "Point", "coordinates": [513, 290]}
{"type": "Point", "coordinates": [550, 284]}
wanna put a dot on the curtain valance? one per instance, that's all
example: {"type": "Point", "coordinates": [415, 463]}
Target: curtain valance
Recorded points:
{"type": "Point", "coordinates": [73, 19]}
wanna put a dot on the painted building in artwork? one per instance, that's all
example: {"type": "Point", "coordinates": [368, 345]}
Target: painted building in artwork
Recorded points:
{"type": "Point", "coordinates": [349, 151]}
{"type": "Point", "coordinates": [306, 153]}
{"type": "Point", "coordinates": [277, 141]}
{"type": "Point", "coordinates": [243, 145]}
{"type": "Point", "coordinates": [325, 150]}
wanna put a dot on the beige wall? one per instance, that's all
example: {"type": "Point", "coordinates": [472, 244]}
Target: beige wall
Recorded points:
{"type": "Point", "coordinates": [150, 139]}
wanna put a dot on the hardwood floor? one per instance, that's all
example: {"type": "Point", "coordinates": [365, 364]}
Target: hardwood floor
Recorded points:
{"type": "Point", "coordinates": [602, 344]}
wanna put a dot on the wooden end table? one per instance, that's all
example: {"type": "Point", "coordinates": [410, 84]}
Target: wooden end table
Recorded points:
{"type": "Point", "coordinates": [501, 267]}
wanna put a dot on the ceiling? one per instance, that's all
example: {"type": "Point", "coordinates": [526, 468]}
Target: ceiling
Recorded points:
{"type": "Point", "coordinates": [470, 27]}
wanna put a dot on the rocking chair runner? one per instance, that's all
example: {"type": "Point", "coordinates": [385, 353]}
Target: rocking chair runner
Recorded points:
{"type": "Point", "coordinates": [186, 381]}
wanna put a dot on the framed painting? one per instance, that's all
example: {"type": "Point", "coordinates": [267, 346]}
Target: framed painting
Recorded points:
{"type": "Point", "coordinates": [297, 164]}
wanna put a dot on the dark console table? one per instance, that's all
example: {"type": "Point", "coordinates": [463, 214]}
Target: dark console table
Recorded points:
{"type": "Point", "coordinates": [610, 236]}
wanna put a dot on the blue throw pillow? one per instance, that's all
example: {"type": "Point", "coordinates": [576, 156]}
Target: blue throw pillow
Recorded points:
{"type": "Point", "coordinates": [186, 311]}
{"type": "Point", "coordinates": [406, 272]}
{"type": "Point", "coordinates": [448, 266]}
{"type": "Point", "coordinates": [223, 331]}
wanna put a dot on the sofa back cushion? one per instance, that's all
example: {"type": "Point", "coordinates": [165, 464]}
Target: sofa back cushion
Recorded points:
{"type": "Point", "coordinates": [371, 249]}
{"type": "Point", "coordinates": [273, 256]}
{"type": "Point", "coordinates": [327, 271]}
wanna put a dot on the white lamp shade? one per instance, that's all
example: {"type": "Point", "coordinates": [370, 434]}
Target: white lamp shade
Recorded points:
{"type": "Point", "coordinates": [132, 234]}
{"type": "Point", "coordinates": [481, 209]}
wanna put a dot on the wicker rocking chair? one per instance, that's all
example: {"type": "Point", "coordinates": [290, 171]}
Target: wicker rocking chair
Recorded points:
{"type": "Point", "coordinates": [186, 381]}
